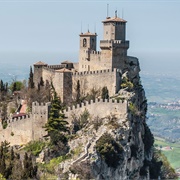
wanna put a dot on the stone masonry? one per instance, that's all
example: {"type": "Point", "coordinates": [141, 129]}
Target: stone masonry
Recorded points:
{"type": "Point", "coordinates": [95, 69]}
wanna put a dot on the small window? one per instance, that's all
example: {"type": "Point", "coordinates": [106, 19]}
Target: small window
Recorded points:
{"type": "Point", "coordinates": [84, 42]}
{"type": "Point", "coordinates": [106, 32]}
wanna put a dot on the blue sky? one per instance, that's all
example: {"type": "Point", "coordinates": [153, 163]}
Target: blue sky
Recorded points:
{"type": "Point", "coordinates": [49, 30]}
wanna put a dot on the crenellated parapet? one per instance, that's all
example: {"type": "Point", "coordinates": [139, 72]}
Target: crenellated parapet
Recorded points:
{"type": "Point", "coordinates": [24, 128]}
{"type": "Point", "coordinates": [55, 67]}
{"type": "Point", "coordinates": [20, 118]}
{"type": "Point", "coordinates": [108, 44]}
{"type": "Point", "coordinates": [99, 107]}
{"type": "Point", "coordinates": [49, 69]}
{"type": "Point", "coordinates": [94, 72]}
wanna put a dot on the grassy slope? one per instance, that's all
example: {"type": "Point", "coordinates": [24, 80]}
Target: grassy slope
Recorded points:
{"type": "Point", "coordinates": [173, 156]}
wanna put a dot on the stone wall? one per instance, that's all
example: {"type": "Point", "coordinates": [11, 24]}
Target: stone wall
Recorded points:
{"type": "Point", "coordinates": [18, 131]}
{"type": "Point", "coordinates": [97, 80]}
{"type": "Point", "coordinates": [23, 129]}
{"type": "Point", "coordinates": [99, 107]}
{"type": "Point", "coordinates": [95, 60]}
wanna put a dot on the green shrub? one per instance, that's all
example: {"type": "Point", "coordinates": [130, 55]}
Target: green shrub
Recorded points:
{"type": "Point", "coordinates": [12, 134]}
{"type": "Point", "coordinates": [12, 110]}
{"type": "Point", "coordinates": [53, 163]}
{"type": "Point", "coordinates": [84, 118]}
{"type": "Point", "coordinates": [97, 123]}
{"type": "Point", "coordinates": [4, 124]}
{"type": "Point", "coordinates": [35, 147]}
{"type": "Point", "coordinates": [113, 121]}
{"type": "Point", "coordinates": [127, 84]}
{"type": "Point", "coordinates": [109, 150]}
{"type": "Point", "coordinates": [133, 109]}
{"type": "Point", "coordinates": [77, 151]}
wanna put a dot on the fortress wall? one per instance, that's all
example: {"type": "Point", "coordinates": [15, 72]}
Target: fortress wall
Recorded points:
{"type": "Point", "coordinates": [97, 60]}
{"type": "Point", "coordinates": [57, 66]}
{"type": "Point", "coordinates": [21, 130]}
{"type": "Point", "coordinates": [38, 70]}
{"type": "Point", "coordinates": [47, 74]}
{"type": "Point", "coordinates": [67, 87]}
{"type": "Point", "coordinates": [18, 131]}
{"type": "Point", "coordinates": [56, 78]}
{"type": "Point", "coordinates": [100, 60]}
{"type": "Point", "coordinates": [97, 80]}
{"type": "Point", "coordinates": [98, 108]}
{"type": "Point", "coordinates": [40, 118]}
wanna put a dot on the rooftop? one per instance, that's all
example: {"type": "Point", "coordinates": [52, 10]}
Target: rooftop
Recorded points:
{"type": "Point", "coordinates": [66, 62]}
{"type": "Point", "coordinates": [40, 63]}
{"type": "Point", "coordinates": [88, 34]}
{"type": "Point", "coordinates": [114, 19]}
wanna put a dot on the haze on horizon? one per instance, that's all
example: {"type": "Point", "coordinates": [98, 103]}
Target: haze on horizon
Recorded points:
{"type": "Point", "coordinates": [49, 30]}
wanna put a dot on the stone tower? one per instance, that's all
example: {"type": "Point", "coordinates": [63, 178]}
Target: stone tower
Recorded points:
{"type": "Point", "coordinates": [38, 72]}
{"type": "Point", "coordinates": [114, 47]}
{"type": "Point", "coordinates": [115, 43]}
{"type": "Point", "coordinates": [87, 44]}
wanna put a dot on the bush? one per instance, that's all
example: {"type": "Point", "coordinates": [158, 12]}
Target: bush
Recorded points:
{"type": "Point", "coordinates": [127, 84]}
{"type": "Point", "coordinates": [133, 109]}
{"type": "Point", "coordinates": [109, 150]}
{"type": "Point", "coordinates": [97, 123]}
{"type": "Point", "coordinates": [35, 147]}
{"type": "Point", "coordinates": [81, 121]}
{"type": "Point", "coordinates": [50, 167]}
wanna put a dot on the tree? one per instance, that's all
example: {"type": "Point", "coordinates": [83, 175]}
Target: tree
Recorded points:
{"type": "Point", "coordinates": [16, 86]}
{"type": "Point", "coordinates": [56, 125]}
{"type": "Point", "coordinates": [41, 82]}
{"type": "Point", "coordinates": [105, 93]}
{"type": "Point", "coordinates": [78, 92]}
{"type": "Point", "coordinates": [2, 87]}
{"type": "Point", "coordinates": [110, 151]}
{"type": "Point", "coordinates": [31, 82]}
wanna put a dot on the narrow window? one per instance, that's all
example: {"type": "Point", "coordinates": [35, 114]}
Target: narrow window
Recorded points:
{"type": "Point", "coordinates": [84, 42]}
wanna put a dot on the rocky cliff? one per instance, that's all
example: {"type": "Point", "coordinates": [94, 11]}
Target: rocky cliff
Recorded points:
{"type": "Point", "coordinates": [111, 146]}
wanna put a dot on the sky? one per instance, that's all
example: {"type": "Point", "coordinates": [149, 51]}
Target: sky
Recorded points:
{"type": "Point", "coordinates": [34, 30]}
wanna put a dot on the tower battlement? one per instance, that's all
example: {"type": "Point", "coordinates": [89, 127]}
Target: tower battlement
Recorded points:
{"type": "Point", "coordinates": [83, 73]}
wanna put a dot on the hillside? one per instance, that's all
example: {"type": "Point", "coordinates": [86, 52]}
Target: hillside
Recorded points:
{"type": "Point", "coordinates": [163, 105]}
{"type": "Point", "coordinates": [171, 151]}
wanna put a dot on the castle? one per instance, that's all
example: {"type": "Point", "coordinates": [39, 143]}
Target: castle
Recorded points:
{"type": "Point", "coordinates": [95, 69]}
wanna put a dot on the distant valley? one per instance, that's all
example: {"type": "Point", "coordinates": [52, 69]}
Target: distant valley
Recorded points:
{"type": "Point", "coordinates": [162, 92]}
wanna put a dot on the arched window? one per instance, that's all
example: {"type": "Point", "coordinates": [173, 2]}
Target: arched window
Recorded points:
{"type": "Point", "coordinates": [84, 42]}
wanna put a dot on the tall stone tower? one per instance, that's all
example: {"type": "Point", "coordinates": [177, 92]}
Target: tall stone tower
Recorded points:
{"type": "Point", "coordinates": [114, 42]}
{"type": "Point", "coordinates": [87, 44]}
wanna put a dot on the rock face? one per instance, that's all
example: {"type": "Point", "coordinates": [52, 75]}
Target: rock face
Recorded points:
{"type": "Point", "coordinates": [115, 147]}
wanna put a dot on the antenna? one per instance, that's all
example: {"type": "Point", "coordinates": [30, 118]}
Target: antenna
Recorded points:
{"type": "Point", "coordinates": [107, 10]}
{"type": "Point", "coordinates": [81, 27]}
{"type": "Point", "coordinates": [88, 27]}
{"type": "Point", "coordinates": [94, 27]}
{"type": "Point", "coordinates": [116, 13]}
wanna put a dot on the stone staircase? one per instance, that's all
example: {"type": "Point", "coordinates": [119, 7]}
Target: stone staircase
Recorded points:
{"type": "Point", "coordinates": [88, 150]}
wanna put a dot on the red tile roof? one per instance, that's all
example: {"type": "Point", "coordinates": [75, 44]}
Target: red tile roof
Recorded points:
{"type": "Point", "coordinates": [18, 115]}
